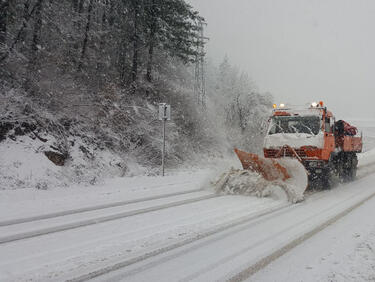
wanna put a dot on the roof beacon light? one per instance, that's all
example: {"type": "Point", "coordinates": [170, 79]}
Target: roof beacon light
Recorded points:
{"type": "Point", "coordinates": [314, 104]}
{"type": "Point", "coordinates": [321, 103]}
{"type": "Point", "coordinates": [282, 105]}
{"type": "Point", "coordinates": [274, 106]}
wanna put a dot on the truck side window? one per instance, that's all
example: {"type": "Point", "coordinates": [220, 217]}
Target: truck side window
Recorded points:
{"type": "Point", "coordinates": [327, 125]}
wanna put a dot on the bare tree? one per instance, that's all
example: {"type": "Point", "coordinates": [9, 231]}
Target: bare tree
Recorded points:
{"type": "Point", "coordinates": [136, 15]}
{"type": "Point", "coordinates": [4, 6]}
{"type": "Point", "coordinates": [35, 44]}
{"type": "Point", "coordinates": [86, 36]}
{"type": "Point", "coordinates": [151, 38]}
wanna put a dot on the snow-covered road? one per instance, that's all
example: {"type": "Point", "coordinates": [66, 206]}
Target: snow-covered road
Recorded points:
{"type": "Point", "coordinates": [219, 238]}
{"type": "Point", "coordinates": [344, 251]}
{"type": "Point", "coordinates": [237, 253]}
{"type": "Point", "coordinates": [35, 249]}
{"type": "Point", "coordinates": [172, 229]}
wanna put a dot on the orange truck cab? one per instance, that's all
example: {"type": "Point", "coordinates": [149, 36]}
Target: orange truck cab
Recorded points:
{"type": "Point", "coordinates": [326, 147]}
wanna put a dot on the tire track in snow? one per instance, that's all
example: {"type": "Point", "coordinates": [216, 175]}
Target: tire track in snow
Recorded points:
{"type": "Point", "coordinates": [91, 221]}
{"type": "Point", "coordinates": [92, 208]}
{"type": "Point", "coordinates": [243, 275]}
{"type": "Point", "coordinates": [218, 229]}
{"type": "Point", "coordinates": [248, 222]}
{"type": "Point", "coordinates": [252, 219]}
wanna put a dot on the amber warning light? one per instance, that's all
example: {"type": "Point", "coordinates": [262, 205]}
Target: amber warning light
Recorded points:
{"type": "Point", "coordinates": [280, 106]}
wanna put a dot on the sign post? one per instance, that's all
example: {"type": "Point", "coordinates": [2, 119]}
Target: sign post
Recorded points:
{"type": "Point", "coordinates": [164, 115]}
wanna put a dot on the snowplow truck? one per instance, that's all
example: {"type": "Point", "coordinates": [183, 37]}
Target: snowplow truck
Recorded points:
{"type": "Point", "coordinates": [326, 149]}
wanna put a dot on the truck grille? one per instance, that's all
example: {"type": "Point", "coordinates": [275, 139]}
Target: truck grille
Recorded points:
{"type": "Point", "coordinates": [271, 153]}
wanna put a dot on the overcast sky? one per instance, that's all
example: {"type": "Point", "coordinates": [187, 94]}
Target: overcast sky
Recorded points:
{"type": "Point", "coordinates": [299, 50]}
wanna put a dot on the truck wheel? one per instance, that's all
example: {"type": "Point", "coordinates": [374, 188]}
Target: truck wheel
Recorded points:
{"type": "Point", "coordinates": [348, 166]}
{"type": "Point", "coordinates": [328, 179]}
{"type": "Point", "coordinates": [341, 168]}
{"type": "Point", "coordinates": [352, 170]}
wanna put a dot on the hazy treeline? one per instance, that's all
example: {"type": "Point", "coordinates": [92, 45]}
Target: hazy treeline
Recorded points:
{"type": "Point", "coordinates": [237, 106]}
{"type": "Point", "coordinates": [116, 40]}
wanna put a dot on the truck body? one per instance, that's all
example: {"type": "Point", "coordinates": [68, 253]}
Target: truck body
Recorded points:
{"type": "Point", "coordinates": [327, 148]}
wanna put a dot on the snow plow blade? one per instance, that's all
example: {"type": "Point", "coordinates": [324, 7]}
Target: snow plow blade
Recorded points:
{"type": "Point", "coordinates": [270, 169]}
{"type": "Point", "coordinates": [289, 171]}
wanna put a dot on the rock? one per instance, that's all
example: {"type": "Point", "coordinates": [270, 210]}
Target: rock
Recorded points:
{"type": "Point", "coordinates": [55, 157]}
{"type": "Point", "coordinates": [18, 131]}
{"type": "Point", "coordinates": [27, 109]}
{"type": "Point", "coordinates": [87, 153]}
{"type": "Point", "coordinates": [12, 137]}
{"type": "Point", "coordinates": [5, 127]}
{"type": "Point", "coordinates": [28, 127]}
{"type": "Point", "coordinates": [41, 186]}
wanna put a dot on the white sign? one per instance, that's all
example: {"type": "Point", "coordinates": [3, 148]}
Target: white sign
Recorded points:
{"type": "Point", "coordinates": [164, 111]}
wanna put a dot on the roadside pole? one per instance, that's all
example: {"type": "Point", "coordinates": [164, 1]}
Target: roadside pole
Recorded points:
{"type": "Point", "coordinates": [164, 115]}
{"type": "Point", "coordinates": [163, 152]}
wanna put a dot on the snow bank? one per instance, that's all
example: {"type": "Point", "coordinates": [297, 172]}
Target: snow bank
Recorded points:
{"type": "Point", "coordinates": [23, 164]}
{"type": "Point", "coordinates": [246, 182]}
{"type": "Point", "coordinates": [18, 203]}
{"type": "Point", "coordinates": [296, 185]}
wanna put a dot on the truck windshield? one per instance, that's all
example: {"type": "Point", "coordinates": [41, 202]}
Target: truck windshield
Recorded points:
{"type": "Point", "coordinates": [295, 124]}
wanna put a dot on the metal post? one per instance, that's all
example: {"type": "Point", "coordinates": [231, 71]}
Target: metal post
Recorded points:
{"type": "Point", "coordinates": [164, 116]}
{"type": "Point", "coordinates": [163, 150]}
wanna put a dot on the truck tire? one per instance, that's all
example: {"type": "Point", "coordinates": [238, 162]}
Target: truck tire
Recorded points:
{"type": "Point", "coordinates": [348, 163]}
{"type": "Point", "coordinates": [352, 170]}
{"type": "Point", "coordinates": [328, 179]}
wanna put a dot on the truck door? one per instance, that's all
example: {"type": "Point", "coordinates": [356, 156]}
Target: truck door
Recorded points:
{"type": "Point", "coordinates": [329, 138]}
